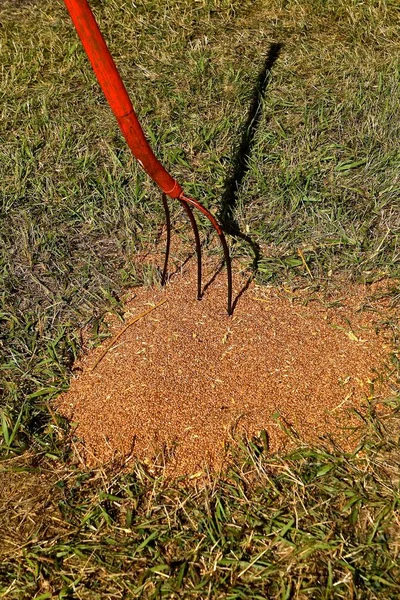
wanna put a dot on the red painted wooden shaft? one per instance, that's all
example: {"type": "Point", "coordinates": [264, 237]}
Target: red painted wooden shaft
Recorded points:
{"type": "Point", "coordinates": [117, 96]}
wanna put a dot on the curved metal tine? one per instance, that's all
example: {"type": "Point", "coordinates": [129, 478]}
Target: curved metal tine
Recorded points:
{"type": "Point", "coordinates": [222, 238]}
{"type": "Point", "coordinates": [193, 223]}
{"type": "Point", "coordinates": [168, 245]}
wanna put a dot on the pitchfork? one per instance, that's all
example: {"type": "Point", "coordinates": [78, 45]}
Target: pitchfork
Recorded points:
{"type": "Point", "coordinates": [118, 99]}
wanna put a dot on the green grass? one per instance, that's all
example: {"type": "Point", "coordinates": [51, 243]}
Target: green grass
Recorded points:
{"type": "Point", "coordinates": [321, 175]}
{"type": "Point", "coordinates": [313, 524]}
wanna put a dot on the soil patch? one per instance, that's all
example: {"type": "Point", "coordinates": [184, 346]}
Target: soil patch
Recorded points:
{"type": "Point", "coordinates": [181, 382]}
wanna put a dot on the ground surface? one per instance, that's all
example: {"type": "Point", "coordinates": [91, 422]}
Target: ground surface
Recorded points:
{"type": "Point", "coordinates": [281, 116]}
{"type": "Point", "coordinates": [183, 382]}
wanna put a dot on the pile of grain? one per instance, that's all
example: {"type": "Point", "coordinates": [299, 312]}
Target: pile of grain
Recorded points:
{"type": "Point", "coordinates": [182, 381]}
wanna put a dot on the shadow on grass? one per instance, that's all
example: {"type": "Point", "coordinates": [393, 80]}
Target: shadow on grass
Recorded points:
{"type": "Point", "coordinates": [242, 155]}
{"type": "Point", "coordinates": [240, 162]}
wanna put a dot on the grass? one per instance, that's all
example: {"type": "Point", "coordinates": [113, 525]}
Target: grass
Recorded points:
{"type": "Point", "coordinates": [318, 174]}
{"type": "Point", "coordinates": [312, 524]}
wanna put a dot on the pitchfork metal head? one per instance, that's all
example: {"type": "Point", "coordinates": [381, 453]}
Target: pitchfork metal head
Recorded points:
{"type": "Point", "coordinates": [187, 204]}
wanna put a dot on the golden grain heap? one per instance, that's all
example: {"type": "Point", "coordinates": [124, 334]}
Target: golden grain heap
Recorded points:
{"type": "Point", "coordinates": [184, 379]}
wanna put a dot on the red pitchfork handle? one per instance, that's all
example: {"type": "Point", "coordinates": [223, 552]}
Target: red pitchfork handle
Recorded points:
{"type": "Point", "coordinates": [119, 101]}
{"type": "Point", "coordinates": [117, 96]}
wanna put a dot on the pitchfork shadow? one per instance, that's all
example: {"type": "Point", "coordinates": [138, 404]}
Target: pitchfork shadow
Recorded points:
{"type": "Point", "coordinates": [240, 161]}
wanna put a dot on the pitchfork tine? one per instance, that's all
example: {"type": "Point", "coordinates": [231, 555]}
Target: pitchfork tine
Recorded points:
{"type": "Point", "coordinates": [193, 223]}
{"type": "Point", "coordinates": [168, 245]}
{"type": "Point", "coordinates": [218, 229]}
